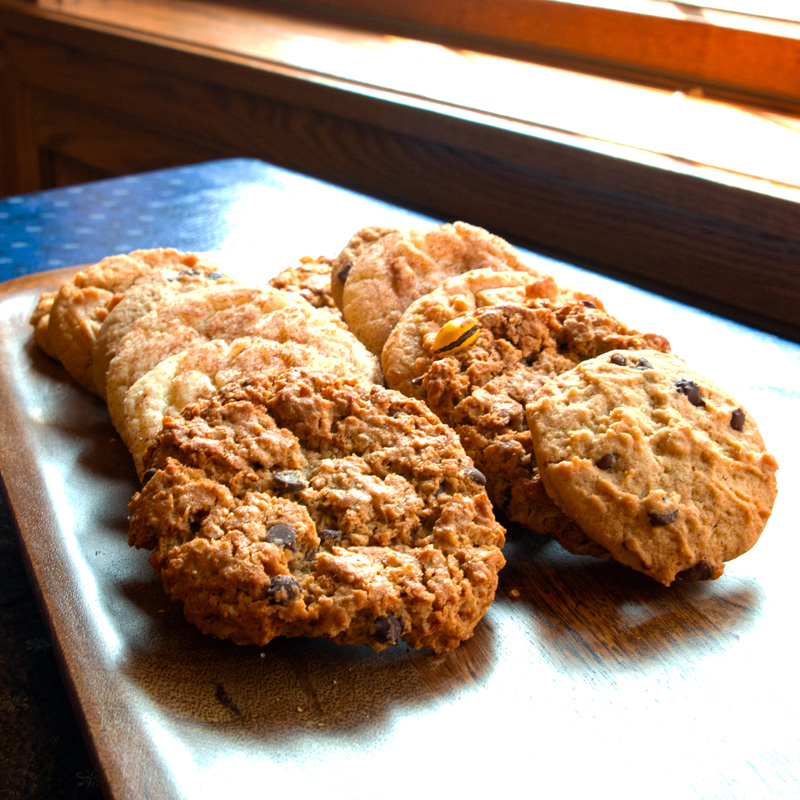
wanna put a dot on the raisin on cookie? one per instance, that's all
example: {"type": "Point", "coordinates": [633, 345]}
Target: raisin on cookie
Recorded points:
{"type": "Point", "coordinates": [658, 466]}
{"type": "Point", "coordinates": [313, 505]}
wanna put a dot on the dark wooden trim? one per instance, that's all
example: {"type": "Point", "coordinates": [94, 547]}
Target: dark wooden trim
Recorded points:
{"type": "Point", "coordinates": [123, 101]}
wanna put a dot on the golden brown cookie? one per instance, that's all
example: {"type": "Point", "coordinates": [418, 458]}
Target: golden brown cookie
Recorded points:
{"type": "Point", "coordinates": [311, 279]}
{"type": "Point", "coordinates": [203, 369]}
{"type": "Point", "coordinates": [166, 282]}
{"type": "Point", "coordinates": [312, 505]}
{"type": "Point", "coordinates": [482, 389]}
{"type": "Point", "coordinates": [411, 347]}
{"type": "Point", "coordinates": [385, 270]}
{"type": "Point", "coordinates": [67, 326]}
{"type": "Point", "coordinates": [658, 466]}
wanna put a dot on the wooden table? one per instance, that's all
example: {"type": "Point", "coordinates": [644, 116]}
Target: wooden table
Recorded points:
{"type": "Point", "coordinates": [582, 678]}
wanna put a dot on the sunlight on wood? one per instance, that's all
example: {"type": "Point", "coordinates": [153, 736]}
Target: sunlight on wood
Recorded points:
{"type": "Point", "coordinates": [689, 130]}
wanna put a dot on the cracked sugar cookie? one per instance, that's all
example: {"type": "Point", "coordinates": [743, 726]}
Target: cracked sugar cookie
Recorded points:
{"type": "Point", "coordinates": [313, 505]}
{"type": "Point", "coordinates": [661, 468]}
{"type": "Point", "coordinates": [382, 271]}
{"type": "Point", "coordinates": [67, 323]}
{"type": "Point", "coordinates": [227, 313]}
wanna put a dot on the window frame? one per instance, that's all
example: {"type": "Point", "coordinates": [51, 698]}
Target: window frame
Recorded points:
{"type": "Point", "coordinates": [722, 55]}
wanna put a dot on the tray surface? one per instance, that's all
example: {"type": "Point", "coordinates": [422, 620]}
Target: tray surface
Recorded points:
{"type": "Point", "coordinates": [581, 672]}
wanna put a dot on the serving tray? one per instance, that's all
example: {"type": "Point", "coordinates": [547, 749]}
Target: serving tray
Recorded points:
{"type": "Point", "coordinates": [582, 674]}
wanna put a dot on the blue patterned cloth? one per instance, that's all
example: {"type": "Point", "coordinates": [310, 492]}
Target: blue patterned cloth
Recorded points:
{"type": "Point", "coordinates": [242, 205]}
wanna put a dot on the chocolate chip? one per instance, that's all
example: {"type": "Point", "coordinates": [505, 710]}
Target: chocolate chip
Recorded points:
{"type": "Point", "coordinates": [589, 304]}
{"type": "Point", "coordinates": [475, 475]}
{"type": "Point", "coordinates": [691, 390]}
{"type": "Point", "coordinates": [618, 359]}
{"type": "Point", "coordinates": [213, 276]}
{"type": "Point", "coordinates": [283, 589]}
{"type": "Point", "coordinates": [607, 461]}
{"type": "Point", "coordinates": [344, 272]}
{"type": "Point", "coordinates": [643, 363]}
{"type": "Point", "coordinates": [388, 629]}
{"type": "Point", "coordinates": [329, 534]}
{"type": "Point", "coordinates": [737, 419]}
{"type": "Point", "coordinates": [442, 488]}
{"type": "Point", "coordinates": [657, 519]}
{"type": "Point", "coordinates": [189, 271]}
{"type": "Point", "coordinates": [282, 535]}
{"type": "Point", "coordinates": [150, 472]}
{"type": "Point", "coordinates": [290, 480]}
{"type": "Point", "coordinates": [702, 571]}
{"type": "Point", "coordinates": [417, 381]}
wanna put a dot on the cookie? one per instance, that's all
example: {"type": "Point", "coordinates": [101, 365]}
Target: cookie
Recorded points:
{"type": "Point", "coordinates": [73, 318]}
{"type": "Point", "coordinates": [166, 282]}
{"type": "Point", "coordinates": [313, 505]}
{"type": "Point", "coordinates": [227, 313]}
{"type": "Point", "coordinates": [200, 371]}
{"type": "Point", "coordinates": [410, 348]}
{"type": "Point", "coordinates": [311, 279]}
{"type": "Point", "coordinates": [481, 391]}
{"type": "Point", "coordinates": [658, 466]}
{"type": "Point", "coordinates": [385, 270]}
{"type": "Point", "coordinates": [40, 319]}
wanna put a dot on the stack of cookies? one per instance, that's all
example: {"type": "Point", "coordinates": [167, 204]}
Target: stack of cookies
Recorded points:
{"type": "Point", "coordinates": [328, 453]}
{"type": "Point", "coordinates": [586, 430]}
{"type": "Point", "coordinates": [285, 491]}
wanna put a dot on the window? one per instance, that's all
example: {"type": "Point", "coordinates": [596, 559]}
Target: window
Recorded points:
{"type": "Point", "coordinates": [739, 50]}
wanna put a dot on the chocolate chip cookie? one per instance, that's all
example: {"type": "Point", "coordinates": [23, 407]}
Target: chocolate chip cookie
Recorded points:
{"type": "Point", "coordinates": [313, 505]}
{"type": "Point", "coordinates": [658, 466]}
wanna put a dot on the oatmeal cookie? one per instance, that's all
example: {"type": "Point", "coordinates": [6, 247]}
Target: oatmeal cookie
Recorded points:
{"type": "Point", "coordinates": [385, 270]}
{"type": "Point", "coordinates": [227, 313]}
{"type": "Point", "coordinates": [311, 279]}
{"type": "Point", "coordinates": [313, 505]}
{"type": "Point", "coordinates": [661, 468]}
{"type": "Point", "coordinates": [410, 349]}
{"type": "Point", "coordinates": [200, 371]}
{"type": "Point", "coordinates": [482, 391]}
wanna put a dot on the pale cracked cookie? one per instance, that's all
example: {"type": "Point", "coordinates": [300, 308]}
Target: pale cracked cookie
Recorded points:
{"type": "Point", "coordinates": [148, 295]}
{"type": "Point", "coordinates": [311, 279]}
{"type": "Point", "coordinates": [382, 271]}
{"type": "Point", "coordinates": [203, 369]}
{"type": "Point", "coordinates": [313, 505]}
{"type": "Point", "coordinates": [66, 323]}
{"type": "Point", "coordinates": [661, 468]}
{"type": "Point", "coordinates": [227, 313]}
{"type": "Point", "coordinates": [481, 390]}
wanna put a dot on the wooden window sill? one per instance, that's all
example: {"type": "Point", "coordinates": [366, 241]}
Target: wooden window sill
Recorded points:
{"type": "Point", "coordinates": [610, 159]}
